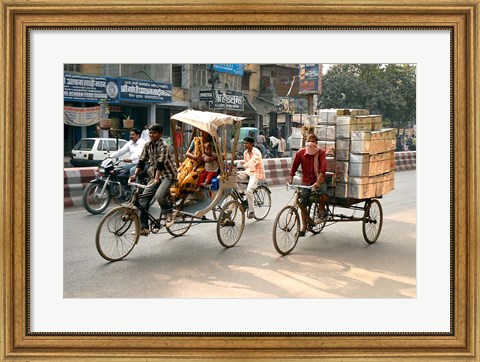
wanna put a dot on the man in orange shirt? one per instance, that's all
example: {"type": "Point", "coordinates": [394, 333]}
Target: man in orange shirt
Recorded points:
{"type": "Point", "coordinates": [254, 171]}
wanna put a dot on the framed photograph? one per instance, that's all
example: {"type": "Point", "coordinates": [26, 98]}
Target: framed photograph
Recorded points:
{"type": "Point", "coordinates": [439, 323]}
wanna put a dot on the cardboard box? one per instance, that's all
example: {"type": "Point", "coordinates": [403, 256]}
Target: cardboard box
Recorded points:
{"type": "Point", "coordinates": [344, 126]}
{"type": "Point", "coordinates": [328, 146]}
{"type": "Point", "coordinates": [329, 116]}
{"type": "Point", "coordinates": [341, 189]}
{"type": "Point", "coordinates": [296, 142]}
{"type": "Point", "coordinates": [360, 141]}
{"type": "Point", "coordinates": [359, 165]}
{"type": "Point", "coordinates": [361, 188]}
{"type": "Point", "coordinates": [342, 149]}
{"type": "Point", "coordinates": [368, 123]}
{"type": "Point", "coordinates": [325, 133]}
{"type": "Point", "coordinates": [341, 171]}
{"type": "Point", "coordinates": [330, 164]}
{"type": "Point", "coordinates": [358, 112]}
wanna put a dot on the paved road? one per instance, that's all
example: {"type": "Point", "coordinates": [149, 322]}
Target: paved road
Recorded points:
{"type": "Point", "coordinates": [337, 263]}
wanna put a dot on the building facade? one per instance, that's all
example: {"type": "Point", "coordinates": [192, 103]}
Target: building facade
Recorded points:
{"type": "Point", "coordinates": [152, 93]}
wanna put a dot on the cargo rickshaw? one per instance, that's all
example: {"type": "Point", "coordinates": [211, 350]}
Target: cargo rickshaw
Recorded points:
{"type": "Point", "coordinates": [119, 231]}
{"type": "Point", "coordinates": [286, 228]}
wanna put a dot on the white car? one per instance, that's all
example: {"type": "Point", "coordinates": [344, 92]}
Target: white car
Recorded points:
{"type": "Point", "coordinates": [91, 151]}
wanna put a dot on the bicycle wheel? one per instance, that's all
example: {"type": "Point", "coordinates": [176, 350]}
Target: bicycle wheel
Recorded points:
{"type": "Point", "coordinates": [117, 233]}
{"type": "Point", "coordinates": [181, 225]}
{"type": "Point", "coordinates": [230, 223]}
{"type": "Point", "coordinates": [94, 201]}
{"type": "Point", "coordinates": [318, 216]}
{"type": "Point", "coordinates": [262, 202]}
{"type": "Point", "coordinates": [372, 221]}
{"type": "Point", "coordinates": [286, 229]}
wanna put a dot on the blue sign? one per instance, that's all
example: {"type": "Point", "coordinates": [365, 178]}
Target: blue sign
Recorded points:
{"type": "Point", "coordinates": [81, 87]}
{"type": "Point", "coordinates": [236, 69]}
{"type": "Point", "coordinates": [145, 91]}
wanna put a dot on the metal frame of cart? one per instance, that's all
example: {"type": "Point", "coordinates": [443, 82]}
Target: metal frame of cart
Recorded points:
{"type": "Point", "coordinates": [286, 227]}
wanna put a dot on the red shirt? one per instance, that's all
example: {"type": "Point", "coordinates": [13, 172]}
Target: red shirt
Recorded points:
{"type": "Point", "coordinates": [308, 169]}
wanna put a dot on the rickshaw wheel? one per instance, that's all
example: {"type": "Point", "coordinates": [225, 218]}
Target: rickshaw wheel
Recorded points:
{"type": "Point", "coordinates": [230, 223]}
{"type": "Point", "coordinates": [218, 208]}
{"type": "Point", "coordinates": [318, 221]}
{"type": "Point", "coordinates": [286, 229]}
{"type": "Point", "coordinates": [117, 233]}
{"type": "Point", "coordinates": [372, 221]}
{"type": "Point", "coordinates": [181, 226]}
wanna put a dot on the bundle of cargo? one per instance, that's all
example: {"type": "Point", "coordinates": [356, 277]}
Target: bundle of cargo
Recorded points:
{"type": "Point", "coordinates": [373, 142]}
{"type": "Point", "coordinates": [329, 116]}
{"type": "Point", "coordinates": [359, 152]}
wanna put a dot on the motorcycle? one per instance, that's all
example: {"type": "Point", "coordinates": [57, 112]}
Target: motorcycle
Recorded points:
{"type": "Point", "coordinates": [110, 182]}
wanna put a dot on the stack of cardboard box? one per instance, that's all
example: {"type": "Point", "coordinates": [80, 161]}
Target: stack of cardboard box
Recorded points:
{"type": "Point", "coordinates": [360, 154]}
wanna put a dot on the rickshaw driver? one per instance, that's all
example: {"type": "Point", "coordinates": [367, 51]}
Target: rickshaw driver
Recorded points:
{"type": "Point", "coordinates": [161, 165]}
{"type": "Point", "coordinates": [314, 165]}
{"type": "Point", "coordinates": [254, 172]}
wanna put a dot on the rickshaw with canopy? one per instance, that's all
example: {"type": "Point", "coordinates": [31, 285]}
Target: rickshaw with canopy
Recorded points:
{"type": "Point", "coordinates": [119, 230]}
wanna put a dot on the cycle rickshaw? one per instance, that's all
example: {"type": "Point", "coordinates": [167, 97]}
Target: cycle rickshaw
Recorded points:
{"type": "Point", "coordinates": [287, 223]}
{"type": "Point", "coordinates": [119, 230]}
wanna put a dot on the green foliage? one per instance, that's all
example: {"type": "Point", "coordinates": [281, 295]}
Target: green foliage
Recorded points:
{"type": "Point", "coordinates": [386, 89]}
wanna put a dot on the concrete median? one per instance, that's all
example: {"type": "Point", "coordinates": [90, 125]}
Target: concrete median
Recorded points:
{"type": "Point", "coordinates": [276, 172]}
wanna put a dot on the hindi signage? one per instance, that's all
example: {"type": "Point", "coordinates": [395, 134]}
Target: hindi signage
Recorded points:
{"type": "Point", "coordinates": [82, 87]}
{"type": "Point", "coordinates": [76, 116]}
{"type": "Point", "coordinates": [146, 91]}
{"type": "Point", "coordinates": [229, 100]}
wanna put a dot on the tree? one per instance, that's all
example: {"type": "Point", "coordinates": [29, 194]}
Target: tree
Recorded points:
{"type": "Point", "coordinates": [389, 90]}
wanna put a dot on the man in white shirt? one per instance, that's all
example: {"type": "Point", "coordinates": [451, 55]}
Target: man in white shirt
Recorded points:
{"type": "Point", "coordinates": [146, 134]}
{"type": "Point", "coordinates": [135, 148]}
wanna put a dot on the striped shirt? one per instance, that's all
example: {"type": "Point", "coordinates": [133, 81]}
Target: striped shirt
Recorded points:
{"type": "Point", "coordinates": [254, 164]}
{"type": "Point", "coordinates": [160, 158]}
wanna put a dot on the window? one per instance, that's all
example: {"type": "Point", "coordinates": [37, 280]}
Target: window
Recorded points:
{"type": "Point", "coordinates": [246, 81]}
{"type": "Point", "coordinates": [71, 67]}
{"type": "Point", "coordinates": [177, 71]}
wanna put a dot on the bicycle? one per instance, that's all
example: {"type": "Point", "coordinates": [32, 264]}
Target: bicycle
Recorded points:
{"type": "Point", "coordinates": [286, 227]}
{"type": "Point", "coordinates": [262, 199]}
{"type": "Point", "coordinates": [119, 230]}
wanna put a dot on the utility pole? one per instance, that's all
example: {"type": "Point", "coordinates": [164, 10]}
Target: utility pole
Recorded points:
{"type": "Point", "coordinates": [212, 80]}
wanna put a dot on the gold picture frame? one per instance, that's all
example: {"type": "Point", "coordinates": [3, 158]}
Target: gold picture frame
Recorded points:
{"type": "Point", "coordinates": [19, 344]}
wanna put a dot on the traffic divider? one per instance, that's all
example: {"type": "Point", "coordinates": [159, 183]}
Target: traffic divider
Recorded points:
{"type": "Point", "coordinates": [276, 172]}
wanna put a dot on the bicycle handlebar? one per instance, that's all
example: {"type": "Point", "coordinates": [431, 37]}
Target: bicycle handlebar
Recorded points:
{"type": "Point", "coordinates": [291, 186]}
{"type": "Point", "coordinates": [136, 184]}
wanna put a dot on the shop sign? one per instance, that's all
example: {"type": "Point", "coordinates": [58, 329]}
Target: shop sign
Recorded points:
{"type": "Point", "coordinates": [145, 91]}
{"type": "Point", "coordinates": [230, 100]}
{"type": "Point", "coordinates": [76, 116]}
{"type": "Point", "coordinates": [310, 79]}
{"type": "Point", "coordinates": [80, 87]}
{"type": "Point", "coordinates": [236, 69]}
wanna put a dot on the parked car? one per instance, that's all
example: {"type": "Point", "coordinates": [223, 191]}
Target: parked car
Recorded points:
{"type": "Point", "coordinates": [91, 151]}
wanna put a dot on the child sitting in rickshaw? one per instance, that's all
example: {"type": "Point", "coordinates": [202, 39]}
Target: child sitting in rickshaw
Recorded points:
{"type": "Point", "coordinates": [211, 166]}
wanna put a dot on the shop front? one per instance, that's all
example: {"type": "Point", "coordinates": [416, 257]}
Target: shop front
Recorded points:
{"type": "Point", "coordinates": [96, 106]}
